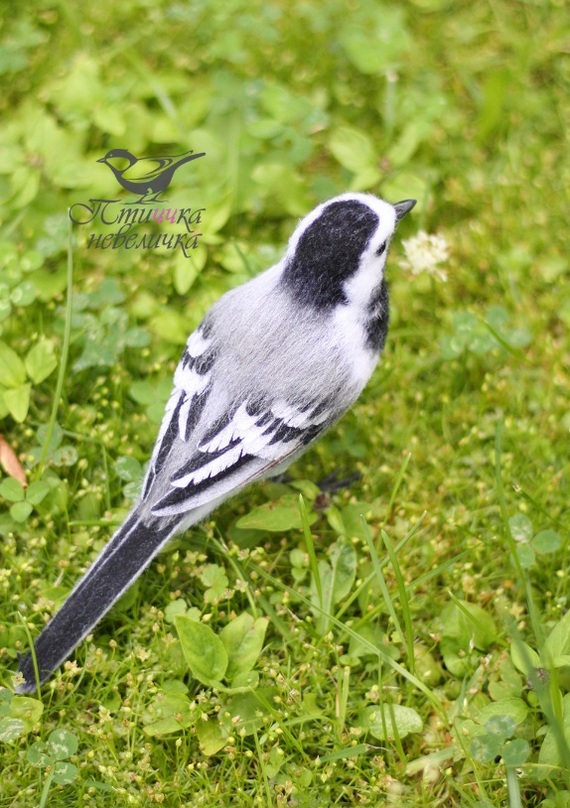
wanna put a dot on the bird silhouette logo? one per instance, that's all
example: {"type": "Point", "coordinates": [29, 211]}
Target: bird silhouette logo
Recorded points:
{"type": "Point", "coordinates": [146, 176]}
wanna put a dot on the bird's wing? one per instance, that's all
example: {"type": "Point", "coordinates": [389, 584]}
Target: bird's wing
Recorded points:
{"type": "Point", "coordinates": [254, 436]}
{"type": "Point", "coordinates": [246, 444]}
{"type": "Point", "coordinates": [147, 168]}
{"type": "Point", "coordinates": [192, 387]}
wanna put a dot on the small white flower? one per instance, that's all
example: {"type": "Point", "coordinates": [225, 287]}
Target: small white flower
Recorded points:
{"type": "Point", "coordinates": [425, 253]}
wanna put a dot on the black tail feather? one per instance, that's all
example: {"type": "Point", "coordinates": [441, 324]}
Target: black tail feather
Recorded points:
{"type": "Point", "coordinates": [120, 563]}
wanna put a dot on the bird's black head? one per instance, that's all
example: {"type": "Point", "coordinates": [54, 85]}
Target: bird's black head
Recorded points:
{"type": "Point", "coordinates": [326, 249]}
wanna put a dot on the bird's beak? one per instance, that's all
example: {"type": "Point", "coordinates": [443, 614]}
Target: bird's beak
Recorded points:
{"type": "Point", "coordinates": [403, 207]}
{"type": "Point", "coordinates": [102, 160]}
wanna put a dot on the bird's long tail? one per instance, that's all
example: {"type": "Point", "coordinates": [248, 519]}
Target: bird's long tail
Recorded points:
{"type": "Point", "coordinates": [120, 563]}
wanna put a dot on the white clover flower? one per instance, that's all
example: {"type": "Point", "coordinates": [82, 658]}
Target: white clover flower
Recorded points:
{"type": "Point", "coordinates": [425, 253]}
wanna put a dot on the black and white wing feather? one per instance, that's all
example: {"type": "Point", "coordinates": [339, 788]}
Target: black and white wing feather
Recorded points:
{"type": "Point", "coordinates": [192, 387]}
{"type": "Point", "coordinates": [254, 439]}
{"type": "Point", "coordinates": [197, 461]}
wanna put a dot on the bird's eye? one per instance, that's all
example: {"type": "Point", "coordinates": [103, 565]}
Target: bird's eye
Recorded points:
{"type": "Point", "coordinates": [381, 249]}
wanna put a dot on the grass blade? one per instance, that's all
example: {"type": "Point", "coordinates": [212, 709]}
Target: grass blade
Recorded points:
{"type": "Point", "coordinates": [64, 350]}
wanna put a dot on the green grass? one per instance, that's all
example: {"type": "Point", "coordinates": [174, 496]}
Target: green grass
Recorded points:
{"type": "Point", "coordinates": [404, 641]}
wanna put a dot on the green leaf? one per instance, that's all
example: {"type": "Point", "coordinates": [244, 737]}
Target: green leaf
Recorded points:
{"type": "Point", "coordinates": [281, 104]}
{"type": "Point", "coordinates": [468, 625]}
{"type": "Point", "coordinates": [482, 342]}
{"type": "Point", "coordinates": [496, 316]}
{"type": "Point", "coordinates": [359, 645]}
{"type": "Point", "coordinates": [96, 354]}
{"type": "Point", "coordinates": [37, 491]}
{"type": "Point", "coordinates": [518, 337]}
{"type": "Point", "coordinates": [110, 119]}
{"type": "Point", "coordinates": [64, 773]}
{"type": "Point", "coordinates": [41, 361]}
{"type": "Point", "coordinates": [379, 45]}
{"type": "Point", "coordinates": [284, 185]}
{"type": "Point", "coordinates": [169, 713]}
{"type": "Point", "coordinates": [337, 578]}
{"type": "Point", "coordinates": [65, 456]}
{"type": "Point", "coordinates": [451, 347]}
{"type": "Point", "coordinates": [175, 608]}
{"type": "Point", "coordinates": [170, 326]}
{"type": "Point", "coordinates": [275, 761]}
{"type": "Point", "coordinates": [277, 516]}
{"type": "Point", "coordinates": [465, 323]}
{"type": "Point", "coordinates": [214, 577]}
{"type": "Point", "coordinates": [243, 639]}
{"type": "Point", "coordinates": [128, 469]}
{"type": "Point", "coordinates": [244, 714]}
{"type": "Point", "coordinates": [107, 295]}
{"type": "Point", "coordinates": [12, 490]}
{"type": "Point", "coordinates": [12, 369]}
{"type": "Point", "coordinates": [343, 565]}
{"type": "Point", "coordinates": [524, 658]}
{"type": "Point", "coordinates": [10, 729]}
{"type": "Point", "coordinates": [520, 527]}
{"type": "Point", "coordinates": [219, 211]}
{"type": "Point", "coordinates": [516, 752]}
{"type": "Point", "coordinates": [26, 709]}
{"type": "Point", "coordinates": [6, 697]}
{"type": "Point", "coordinates": [549, 754]}
{"type": "Point", "coordinates": [353, 149]}
{"type": "Point", "coordinates": [5, 307]}
{"type": "Point", "coordinates": [137, 338]}
{"type": "Point", "coordinates": [547, 541]}
{"type": "Point", "coordinates": [143, 392]}
{"type": "Point", "coordinates": [204, 652]}
{"type": "Point", "coordinates": [247, 679]}
{"type": "Point", "coordinates": [558, 641]}
{"type": "Point", "coordinates": [31, 261]}
{"type": "Point", "coordinates": [308, 489]}
{"type": "Point", "coordinates": [390, 721]}
{"type": "Point", "coordinates": [211, 737]}
{"type": "Point", "coordinates": [525, 555]}
{"type": "Point", "coordinates": [265, 128]}
{"type": "Point", "coordinates": [55, 440]}
{"type": "Point", "coordinates": [187, 269]}
{"type": "Point", "coordinates": [24, 294]}
{"type": "Point", "coordinates": [62, 744]}
{"type": "Point", "coordinates": [413, 134]}
{"type": "Point", "coordinates": [18, 401]}
{"type": "Point", "coordinates": [486, 748]}
{"type": "Point", "coordinates": [511, 711]}
{"type": "Point", "coordinates": [20, 511]}
{"type": "Point", "coordinates": [39, 755]}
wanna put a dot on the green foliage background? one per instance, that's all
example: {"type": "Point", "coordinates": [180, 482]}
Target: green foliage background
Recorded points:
{"type": "Point", "coordinates": [422, 681]}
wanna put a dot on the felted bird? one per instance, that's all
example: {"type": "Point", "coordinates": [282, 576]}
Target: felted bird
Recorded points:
{"type": "Point", "coordinates": [272, 366]}
{"type": "Point", "coordinates": [148, 176]}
